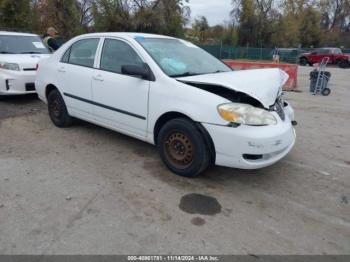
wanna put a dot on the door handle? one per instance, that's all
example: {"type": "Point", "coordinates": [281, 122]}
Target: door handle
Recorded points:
{"type": "Point", "coordinates": [61, 70]}
{"type": "Point", "coordinates": [98, 78]}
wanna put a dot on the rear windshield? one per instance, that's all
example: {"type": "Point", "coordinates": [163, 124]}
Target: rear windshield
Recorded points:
{"type": "Point", "coordinates": [10, 44]}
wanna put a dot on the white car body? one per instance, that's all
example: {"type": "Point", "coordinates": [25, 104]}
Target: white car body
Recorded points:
{"type": "Point", "coordinates": [21, 81]}
{"type": "Point", "coordinates": [134, 106]}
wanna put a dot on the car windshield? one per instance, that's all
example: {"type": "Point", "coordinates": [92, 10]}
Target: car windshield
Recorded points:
{"type": "Point", "coordinates": [14, 44]}
{"type": "Point", "coordinates": [181, 58]}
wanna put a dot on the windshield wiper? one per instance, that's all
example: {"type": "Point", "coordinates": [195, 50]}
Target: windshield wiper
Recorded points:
{"type": "Point", "coordinates": [31, 52]}
{"type": "Point", "coordinates": [5, 52]}
{"type": "Point", "coordinates": [219, 71]}
{"type": "Point", "coordinates": [185, 74]}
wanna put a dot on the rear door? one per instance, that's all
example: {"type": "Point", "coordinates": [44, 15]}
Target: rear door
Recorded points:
{"type": "Point", "coordinates": [75, 71]}
{"type": "Point", "coordinates": [120, 101]}
{"type": "Point", "coordinates": [327, 53]}
{"type": "Point", "coordinates": [314, 56]}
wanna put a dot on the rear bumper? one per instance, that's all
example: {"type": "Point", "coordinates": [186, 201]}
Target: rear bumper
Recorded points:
{"type": "Point", "coordinates": [249, 147]}
{"type": "Point", "coordinates": [17, 82]}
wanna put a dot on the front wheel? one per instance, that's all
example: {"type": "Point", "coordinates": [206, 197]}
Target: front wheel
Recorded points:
{"type": "Point", "coordinates": [58, 110]}
{"type": "Point", "coordinates": [182, 148]}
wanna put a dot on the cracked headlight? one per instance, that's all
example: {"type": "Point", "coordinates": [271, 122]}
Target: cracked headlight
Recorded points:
{"type": "Point", "coordinates": [246, 115]}
{"type": "Point", "coordinates": [9, 66]}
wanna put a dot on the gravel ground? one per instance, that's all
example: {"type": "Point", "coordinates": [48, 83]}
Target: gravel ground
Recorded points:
{"type": "Point", "coordinates": [88, 190]}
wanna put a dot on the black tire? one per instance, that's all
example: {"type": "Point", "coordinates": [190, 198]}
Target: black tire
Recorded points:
{"type": "Point", "coordinates": [326, 91]}
{"type": "Point", "coordinates": [182, 148]}
{"type": "Point", "coordinates": [303, 61]}
{"type": "Point", "coordinates": [343, 64]}
{"type": "Point", "coordinates": [57, 110]}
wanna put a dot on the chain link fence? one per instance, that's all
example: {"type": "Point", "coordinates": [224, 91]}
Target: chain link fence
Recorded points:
{"type": "Point", "coordinates": [287, 55]}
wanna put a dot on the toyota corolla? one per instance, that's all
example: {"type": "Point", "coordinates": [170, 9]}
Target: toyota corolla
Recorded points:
{"type": "Point", "coordinates": [172, 94]}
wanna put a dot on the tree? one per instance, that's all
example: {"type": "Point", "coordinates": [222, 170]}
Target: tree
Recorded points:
{"type": "Point", "coordinates": [174, 16]}
{"type": "Point", "coordinates": [111, 15]}
{"type": "Point", "coordinates": [310, 27]}
{"type": "Point", "coordinates": [248, 22]}
{"type": "Point", "coordinates": [336, 14]}
{"type": "Point", "coordinates": [15, 15]}
{"type": "Point", "coordinates": [85, 11]}
{"type": "Point", "coordinates": [61, 14]}
{"type": "Point", "coordinates": [335, 21]}
{"type": "Point", "coordinates": [201, 28]}
{"type": "Point", "coordinates": [166, 17]}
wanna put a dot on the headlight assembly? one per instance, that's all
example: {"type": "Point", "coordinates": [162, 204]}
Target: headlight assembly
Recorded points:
{"type": "Point", "coordinates": [9, 66]}
{"type": "Point", "coordinates": [246, 115]}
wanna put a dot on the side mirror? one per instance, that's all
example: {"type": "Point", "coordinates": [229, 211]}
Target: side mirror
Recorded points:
{"type": "Point", "coordinates": [141, 70]}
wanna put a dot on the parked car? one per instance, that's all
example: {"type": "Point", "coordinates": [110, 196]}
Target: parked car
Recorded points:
{"type": "Point", "coordinates": [170, 93]}
{"type": "Point", "coordinates": [335, 56]}
{"type": "Point", "coordinates": [287, 55]}
{"type": "Point", "coordinates": [19, 55]}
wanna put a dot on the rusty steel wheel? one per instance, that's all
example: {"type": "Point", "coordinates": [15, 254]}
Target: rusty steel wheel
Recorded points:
{"type": "Point", "coordinates": [183, 148]}
{"type": "Point", "coordinates": [55, 108]}
{"type": "Point", "coordinates": [179, 150]}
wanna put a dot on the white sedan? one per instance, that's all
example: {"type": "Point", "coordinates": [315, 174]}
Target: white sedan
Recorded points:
{"type": "Point", "coordinates": [19, 55]}
{"type": "Point", "coordinates": [172, 94]}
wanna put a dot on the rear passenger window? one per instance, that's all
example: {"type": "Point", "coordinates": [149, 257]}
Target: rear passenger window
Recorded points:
{"type": "Point", "coordinates": [82, 52]}
{"type": "Point", "coordinates": [117, 53]}
{"type": "Point", "coordinates": [65, 57]}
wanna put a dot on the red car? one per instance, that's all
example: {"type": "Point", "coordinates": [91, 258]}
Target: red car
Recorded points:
{"type": "Point", "coordinates": [335, 57]}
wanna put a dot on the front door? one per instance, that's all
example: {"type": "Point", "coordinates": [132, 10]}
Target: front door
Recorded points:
{"type": "Point", "coordinates": [120, 101]}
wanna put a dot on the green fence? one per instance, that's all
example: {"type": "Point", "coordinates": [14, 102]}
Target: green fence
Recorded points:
{"type": "Point", "coordinates": [288, 55]}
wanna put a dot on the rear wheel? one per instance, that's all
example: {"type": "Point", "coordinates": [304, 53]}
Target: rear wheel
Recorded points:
{"type": "Point", "coordinates": [58, 110]}
{"type": "Point", "coordinates": [183, 148]}
{"type": "Point", "coordinates": [343, 64]}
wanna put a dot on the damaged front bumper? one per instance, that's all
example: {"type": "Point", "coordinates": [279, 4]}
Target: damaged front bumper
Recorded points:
{"type": "Point", "coordinates": [253, 147]}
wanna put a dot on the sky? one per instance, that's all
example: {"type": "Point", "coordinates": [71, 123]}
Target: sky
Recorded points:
{"type": "Point", "coordinates": [216, 11]}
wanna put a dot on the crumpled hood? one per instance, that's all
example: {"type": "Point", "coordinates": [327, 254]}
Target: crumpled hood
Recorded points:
{"type": "Point", "coordinates": [24, 60]}
{"type": "Point", "coordinates": [265, 85]}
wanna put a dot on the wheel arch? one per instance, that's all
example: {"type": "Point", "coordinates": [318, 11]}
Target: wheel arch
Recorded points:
{"type": "Point", "coordinates": [303, 58]}
{"type": "Point", "coordinates": [166, 117]}
{"type": "Point", "coordinates": [49, 88]}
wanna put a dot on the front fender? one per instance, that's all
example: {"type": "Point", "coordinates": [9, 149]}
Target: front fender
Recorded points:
{"type": "Point", "coordinates": [196, 104]}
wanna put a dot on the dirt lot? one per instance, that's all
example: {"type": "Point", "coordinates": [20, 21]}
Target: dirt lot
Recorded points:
{"type": "Point", "coordinates": [87, 190]}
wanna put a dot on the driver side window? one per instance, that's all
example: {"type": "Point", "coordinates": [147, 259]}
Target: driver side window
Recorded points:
{"type": "Point", "coordinates": [117, 53]}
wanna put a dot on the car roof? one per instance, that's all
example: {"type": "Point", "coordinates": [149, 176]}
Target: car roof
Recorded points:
{"type": "Point", "coordinates": [16, 33]}
{"type": "Point", "coordinates": [322, 48]}
{"type": "Point", "coordinates": [126, 35]}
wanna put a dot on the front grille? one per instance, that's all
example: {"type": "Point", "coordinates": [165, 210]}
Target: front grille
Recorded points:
{"type": "Point", "coordinates": [252, 157]}
{"type": "Point", "coordinates": [279, 108]}
{"type": "Point", "coordinates": [280, 111]}
{"type": "Point", "coordinates": [29, 69]}
{"type": "Point", "coordinates": [7, 82]}
{"type": "Point", "coordinates": [30, 87]}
